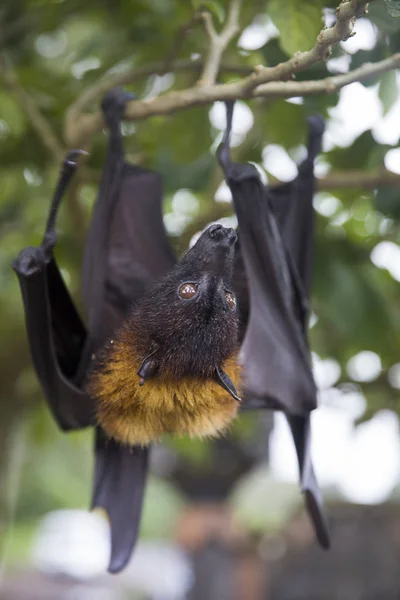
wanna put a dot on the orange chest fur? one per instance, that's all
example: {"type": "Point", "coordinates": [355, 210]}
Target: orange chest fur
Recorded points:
{"type": "Point", "coordinates": [139, 415]}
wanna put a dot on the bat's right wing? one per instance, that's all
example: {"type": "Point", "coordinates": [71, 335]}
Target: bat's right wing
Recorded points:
{"type": "Point", "coordinates": [56, 333]}
{"type": "Point", "coordinates": [127, 247]}
{"type": "Point", "coordinates": [119, 483]}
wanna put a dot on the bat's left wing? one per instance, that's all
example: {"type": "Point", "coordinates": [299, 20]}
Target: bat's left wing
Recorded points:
{"type": "Point", "coordinates": [277, 261]}
{"type": "Point", "coordinates": [56, 333]}
{"type": "Point", "coordinates": [277, 364]}
{"type": "Point", "coordinates": [292, 203]}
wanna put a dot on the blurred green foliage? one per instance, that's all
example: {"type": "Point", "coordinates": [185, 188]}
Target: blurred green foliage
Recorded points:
{"type": "Point", "coordinates": [60, 48]}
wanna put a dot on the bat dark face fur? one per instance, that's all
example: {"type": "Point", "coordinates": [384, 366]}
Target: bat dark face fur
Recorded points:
{"type": "Point", "coordinates": [190, 315]}
{"type": "Point", "coordinates": [172, 367]}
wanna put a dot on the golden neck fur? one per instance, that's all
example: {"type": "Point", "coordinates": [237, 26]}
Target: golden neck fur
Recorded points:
{"type": "Point", "coordinates": [139, 415]}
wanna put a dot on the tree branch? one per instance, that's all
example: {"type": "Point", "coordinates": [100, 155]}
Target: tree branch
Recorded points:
{"type": "Point", "coordinates": [288, 89]}
{"type": "Point", "coordinates": [31, 110]}
{"type": "Point", "coordinates": [346, 15]}
{"type": "Point", "coordinates": [218, 42]}
{"type": "Point", "coordinates": [79, 129]}
{"type": "Point", "coordinates": [263, 82]}
{"type": "Point", "coordinates": [92, 93]}
{"type": "Point", "coordinates": [354, 178]}
{"type": "Point", "coordinates": [366, 180]}
{"type": "Point", "coordinates": [337, 179]}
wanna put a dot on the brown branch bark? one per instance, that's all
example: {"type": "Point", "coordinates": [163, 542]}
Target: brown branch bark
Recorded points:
{"type": "Point", "coordinates": [366, 180]}
{"type": "Point", "coordinates": [355, 178]}
{"type": "Point", "coordinates": [80, 129]}
{"type": "Point", "coordinates": [255, 85]}
{"type": "Point", "coordinates": [218, 42]}
{"type": "Point", "coordinates": [94, 92]}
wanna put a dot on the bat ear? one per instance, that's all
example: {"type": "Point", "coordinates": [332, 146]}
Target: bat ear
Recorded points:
{"type": "Point", "coordinates": [225, 382]}
{"type": "Point", "coordinates": [148, 368]}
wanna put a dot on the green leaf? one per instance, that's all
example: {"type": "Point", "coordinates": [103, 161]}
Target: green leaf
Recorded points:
{"type": "Point", "coordinates": [12, 115]}
{"type": "Point", "coordinates": [387, 201]}
{"type": "Point", "coordinates": [388, 90]}
{"type": "Point", "coordinates": [355, 156]}
{"type": "Point", "coordinates": [393, 7]}
{"type": "Point", "coordinates": [283, 123]}
{"type": "Point", "coordinates": [299, 23]}
{"type": "Point", "coordinates": [378, 14]}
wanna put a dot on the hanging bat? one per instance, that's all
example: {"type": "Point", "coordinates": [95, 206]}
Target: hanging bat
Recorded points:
{"type": "Point", "coordinates": [160, 350]}
{"type": "Point", "coordinates": [172, 367]}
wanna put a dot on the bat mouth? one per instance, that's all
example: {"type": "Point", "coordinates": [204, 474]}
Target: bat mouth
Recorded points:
{"type": "Point", "coordinates": [218, 233]}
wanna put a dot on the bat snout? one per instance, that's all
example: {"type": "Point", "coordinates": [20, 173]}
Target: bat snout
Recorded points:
{"type": "Point", "coordinates": [219, 233]}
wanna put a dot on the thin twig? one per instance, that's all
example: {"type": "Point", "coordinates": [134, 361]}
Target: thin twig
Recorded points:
{"type": "Point", "coordinates": [32, 111]}
{"type": "Point", "coordinates": [218, 42]}
{"type": "Point", "coordinates": [81, 129]}
{"type": "Point", "coordinates": [346, 15]}
{"type": "Point", "coordinates": [288, 89]}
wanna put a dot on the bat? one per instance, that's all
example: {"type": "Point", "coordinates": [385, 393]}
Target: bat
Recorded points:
{"type": "Point", "coordinates": [147, 338]}
{"type": "Point", "coordinates": [172, 367]}
{"type": "Point", "coordinates": [276, 239]}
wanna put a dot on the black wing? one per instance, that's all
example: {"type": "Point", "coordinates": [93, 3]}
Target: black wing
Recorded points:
{"type": "Point", "coordinates": [119, 483]}
{"type": "Point", "coordinates": [292, 203]}
{"type": "Point", "coordinates": [276, 358]}
{"type": "Point", "coordinates": [126, 249]}
{"type": "Point", "coordinates": [293, 206]}
{"type": "Point", "coordinates": [276, 236]}
{"type": "Point", "coordinates": [56, 333]}
{"type": "Point", "coordinates": [127, 246]}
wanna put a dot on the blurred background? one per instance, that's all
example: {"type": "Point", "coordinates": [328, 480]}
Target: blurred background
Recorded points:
{"type": "Point", "coordinates": [222, 520]}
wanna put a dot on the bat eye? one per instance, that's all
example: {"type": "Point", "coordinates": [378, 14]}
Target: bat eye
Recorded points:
{"type": "Point", "coordinates": [187, 291]}
{"type": "Point", "coordinates": [230, 300]}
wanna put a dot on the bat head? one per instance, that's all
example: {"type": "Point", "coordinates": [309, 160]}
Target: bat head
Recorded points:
{"type": "Point", "coordinates": [188, 319]}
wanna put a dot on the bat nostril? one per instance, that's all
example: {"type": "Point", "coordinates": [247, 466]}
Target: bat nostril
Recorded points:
{"type": "Point", "coordinates": [214, 230]}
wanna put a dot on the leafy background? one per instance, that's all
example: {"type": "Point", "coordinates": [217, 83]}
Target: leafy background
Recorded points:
{"type": "Point", "coordinates": [58, 49]}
